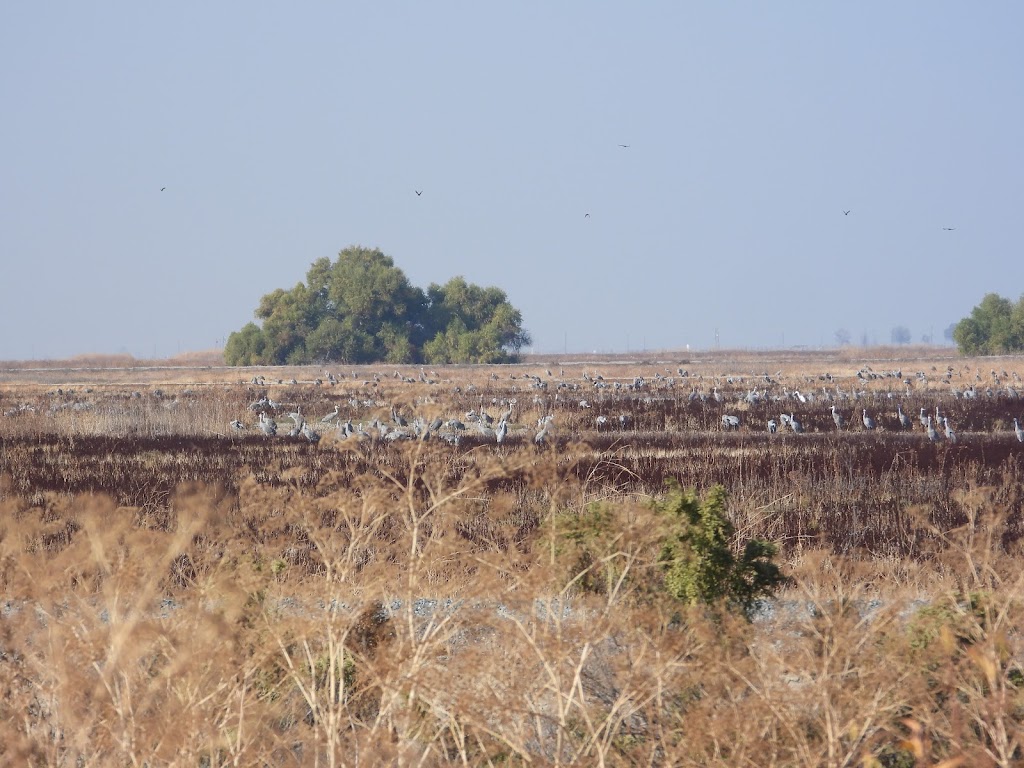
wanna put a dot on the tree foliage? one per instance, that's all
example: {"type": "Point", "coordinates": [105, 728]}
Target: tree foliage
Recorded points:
{"type": "Point", "coordinates": [691, 540]}
{"type": "Point", "coordinates": [900, 335]}
{"type": "Point", "coordinates": [473, 324]}
{"type": "Point", "coordinates": [361, 308]}
{"type": "Point", "coordinates": [994, 327]}
{"type": "Point", "coordinates": [699, 563]}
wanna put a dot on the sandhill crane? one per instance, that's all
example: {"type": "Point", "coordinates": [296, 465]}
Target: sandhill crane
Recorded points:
{"type": "Point", "coordinates": [421, 428]}
{"type": "Point", "coordinates": [237, 425]}
{"type": "Point", "coordinates": [1019, 430]}
{"type": "Point", "coordinates": [869, 423]}
{"type": "Point", "coordinates": [398, 418]}
{"type": "Point", "coordinates": [795, 425]}
{"type": "Point", "coordinates": [331, 416]}
{"type": "Point", "coordinates": [772, 426]}
{"type": "Point", "coordinates": [267, 424]}
{"type": "Point", "coordinates": [933, 434]}
{"type": "Point", "coordinates": [600, 421]}
{"type": "Point", "coordinates": [950, 434]}
{"type": "Point", "coordinates": [309, 433]}
{"type": "Point", "coordinates": [730, 422]}
{"type": "Point", "coordinates": [542, 436]}
{"type": "Point", "coordinates": [923, 418]}
{"type": "Point", "coordinates": [625, 420]}
{"type": "Point", "coordinates": [501, 431]}
{"type": "Point", "coordinates": [904, 419]}
{"type": "Point", "coordinates": [837, 417]}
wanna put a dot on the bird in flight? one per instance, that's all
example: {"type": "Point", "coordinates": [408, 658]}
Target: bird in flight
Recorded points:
{"type": "Point", "coordinates": [624, 146]}
{"type": "Point", "coordinates": [418, 192]}
{"type": "Point", "coordinates": [162, 188]}
{"type": "Point", "coordinates": [586, 216]}
{"type": "Point", "coordinates": [948, 229]}
{"type": "Point", "coordinates": [846, 213]}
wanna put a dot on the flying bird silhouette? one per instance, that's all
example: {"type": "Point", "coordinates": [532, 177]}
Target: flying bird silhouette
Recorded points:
{"type": "Point", "coordinates": [586, 215]}
{"type": "Point", "coordinates": [418, 192]}
{"type": "Point", "coordinates": [846, 213]}
{"type": "Point", "coordinates": [948, 229]}
{"type": "Point", "coordinates": [624, 146]}
{"type": "Point", "coordinates": [162, 188]}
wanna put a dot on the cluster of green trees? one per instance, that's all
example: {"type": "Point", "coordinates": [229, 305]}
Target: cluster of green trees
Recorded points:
{"type": "Point", "coordinates": [361, 308]}
{"type": "Point", "coordinates": [994, 327]}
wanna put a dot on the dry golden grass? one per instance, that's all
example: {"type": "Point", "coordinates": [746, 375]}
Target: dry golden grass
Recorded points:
{"type": "Point", "coordinates": [174, 597]}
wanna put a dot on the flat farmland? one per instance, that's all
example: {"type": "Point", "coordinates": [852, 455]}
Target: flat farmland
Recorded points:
{"type": "Point", "coordinates": [466, 565]}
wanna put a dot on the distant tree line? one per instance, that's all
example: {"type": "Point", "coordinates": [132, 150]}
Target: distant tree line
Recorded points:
{"type": "Point", "coordinates": [361, 308]}
{"type": "Point", "coordinates": [994, 327]}
{"type": "Point", "coordinates": [900, 335]}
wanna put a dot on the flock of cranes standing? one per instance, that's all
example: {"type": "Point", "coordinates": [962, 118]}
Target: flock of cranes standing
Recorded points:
{"type": "Point", "coordinates": [953, 406]}
{"type": "Point", "coordinates": [398, 427]}
{"type": "Point", "coordinates": [731, 422]}
{"type": "Point", "coordinates": [631, 396]}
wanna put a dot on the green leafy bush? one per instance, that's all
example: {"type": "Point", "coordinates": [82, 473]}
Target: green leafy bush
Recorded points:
{"type": "Point", "coordinates": [698, 559]}
{"type": "Point", "coordinates": [690, 541]}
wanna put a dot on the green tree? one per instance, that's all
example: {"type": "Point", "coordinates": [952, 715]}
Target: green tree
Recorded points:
{"type": "Point", "coordinates": [366, 286]}
{"type": "Point", "coordinates": [287, 320]}
{"type": "Point", "coordinates": [698, 559]}
{"type": "Point", "coordinates": [995, 326]}
{"type": "Point", "coordinates": [245, 347]}
{"type": "Point", "coordinates": [361, 308]}
{"type": "Point", "coordinates": [328, 340]}
{"type": "Point", "coordinates": [473, 324]}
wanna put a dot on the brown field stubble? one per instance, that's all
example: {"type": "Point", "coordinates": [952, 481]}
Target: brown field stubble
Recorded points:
{"type": "Point", "coordinates": [175, 594]}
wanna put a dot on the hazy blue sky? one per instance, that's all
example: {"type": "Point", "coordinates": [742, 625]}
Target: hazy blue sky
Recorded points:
{"type": "Point", "coordinates": [284, 132]}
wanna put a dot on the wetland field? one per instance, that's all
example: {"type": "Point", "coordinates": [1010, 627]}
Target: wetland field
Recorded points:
{"type": "Point", "coordinates": [381, 565]}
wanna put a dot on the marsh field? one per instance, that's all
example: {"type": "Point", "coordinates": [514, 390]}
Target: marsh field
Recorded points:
{"type": "Point", "coordinates": [394, 586]}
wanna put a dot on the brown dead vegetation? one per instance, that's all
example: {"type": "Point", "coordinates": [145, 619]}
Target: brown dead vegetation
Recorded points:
{"type": "Point", "coordinates": [175, 597]}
